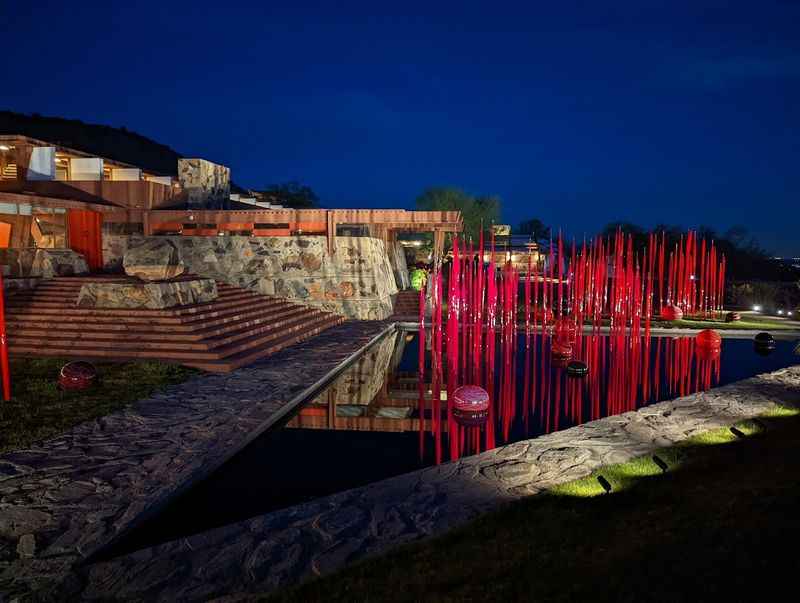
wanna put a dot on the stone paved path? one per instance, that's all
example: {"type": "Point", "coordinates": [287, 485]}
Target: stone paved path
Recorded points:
{"type": "Point", "coordinates": [286, 546]}
{"type": "Point", "coordinates": [63, 499]}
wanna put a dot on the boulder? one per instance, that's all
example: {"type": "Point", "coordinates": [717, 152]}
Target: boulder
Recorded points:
{"type": "Point", "coordinates": [145, 295]}
{"type": "Point", "coordinates": [154, 260]}
{"type": "Point", "coordinates": [48, 263]}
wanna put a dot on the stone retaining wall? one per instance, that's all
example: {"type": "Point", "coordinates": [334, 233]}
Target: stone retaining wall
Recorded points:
{"type": "Point", "coordinates": [358, 281]}
{"type": "Point", "coordinates": [30, 262]}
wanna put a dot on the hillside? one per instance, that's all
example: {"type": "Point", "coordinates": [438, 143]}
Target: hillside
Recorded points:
{"type": "Point", "coordinates": [104, 141]}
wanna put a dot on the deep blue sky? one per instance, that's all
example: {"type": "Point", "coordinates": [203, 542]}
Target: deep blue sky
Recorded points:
{"type": "Point", "coordinates": [579, 114]}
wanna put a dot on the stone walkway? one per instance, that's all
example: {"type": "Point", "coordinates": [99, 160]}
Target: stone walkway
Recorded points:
{"type": "Point", "coordinates": [284, 547]}
{"type": "Point", "coordinates": [62, 500]}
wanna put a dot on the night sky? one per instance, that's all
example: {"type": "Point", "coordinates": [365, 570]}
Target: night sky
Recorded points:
{"type": "Point", "coordinates": [578, 114]}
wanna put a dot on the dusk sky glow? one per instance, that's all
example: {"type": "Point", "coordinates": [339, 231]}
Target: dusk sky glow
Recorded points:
{"type": "Point", "coordinates": [579, 114]}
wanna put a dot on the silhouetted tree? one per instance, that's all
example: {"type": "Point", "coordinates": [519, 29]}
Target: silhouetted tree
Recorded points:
{"type": "Point", "coordinates": [534, 228]}
{"type": "Point", "coordinates": [474, 210]}
{"type": "Point", "coordinates": [292, 194]}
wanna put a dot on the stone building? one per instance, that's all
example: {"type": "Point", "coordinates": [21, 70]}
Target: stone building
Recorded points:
{"type": "Point", "coordinates": [64, 212]}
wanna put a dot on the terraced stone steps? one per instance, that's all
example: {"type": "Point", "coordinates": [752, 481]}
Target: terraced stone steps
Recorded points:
{"type": "Point", "coordinates": [236, 329]}
{"type": "Point", "coordinates": [406, 303]}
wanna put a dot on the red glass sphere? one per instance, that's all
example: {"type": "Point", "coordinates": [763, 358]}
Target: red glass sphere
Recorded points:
{"type": "Point", "coordinates": [671, 312]}
{"type": "Point", "coordinates": [566, 330]}
{"type": "Point", "coordinates": [470, 405]}
{"type": "Point", "coordinates": [561, 349]}
{"type": "Point", "coordinates": [709, 338]}
{"type": "Point", "coordinates": [708, 354]}
{"type": "Point", "coordinates": [77, 375]}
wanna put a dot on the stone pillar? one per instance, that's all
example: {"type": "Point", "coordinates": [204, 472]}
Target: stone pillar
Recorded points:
{"type": "Point", "coordinates": [205, 184]}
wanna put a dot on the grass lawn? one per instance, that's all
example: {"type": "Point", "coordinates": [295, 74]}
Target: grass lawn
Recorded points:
{"type": "Point", "coordinates": [720, 524]}
{"type": "Point", "coordinates": [757, 322]}
{"type": "Point", "coordinates": [38, 409]}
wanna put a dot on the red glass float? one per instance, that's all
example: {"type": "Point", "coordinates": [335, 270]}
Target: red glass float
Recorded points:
{"type": "Point", "coordinates": [470, 405]}
{"type": "Point", "coordinates": [704, 353]}
{"type": "Point", "coordinates": [709, 338]}
{"type": "Point", "coordinates": [561, 349]}
{"type": "Point", "coordinates": [77, 375]}
{"type": "Point", "coordinates": [671, 312]}
{"type": "Point", "coordinates": [565, 330]}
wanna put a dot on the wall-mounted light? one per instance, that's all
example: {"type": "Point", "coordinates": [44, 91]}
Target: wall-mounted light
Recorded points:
{"type": "Point", "coordinates": [4, 147]}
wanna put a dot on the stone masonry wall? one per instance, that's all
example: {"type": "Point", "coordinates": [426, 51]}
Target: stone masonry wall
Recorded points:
{"type": "Point", "coordinates": [206, 184]}
{"type": "Point", "coordinates": [357, 281]}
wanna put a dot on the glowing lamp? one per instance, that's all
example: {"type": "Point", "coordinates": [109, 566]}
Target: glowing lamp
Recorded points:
{"type": "Point", "coordinates": [671, 312]}
{"type": "Point", "coordinates": [470, 405]}
{"type": "Point", "coordinates": [77, 375]}
{"type": "Point", "coordinates": [709, 338]}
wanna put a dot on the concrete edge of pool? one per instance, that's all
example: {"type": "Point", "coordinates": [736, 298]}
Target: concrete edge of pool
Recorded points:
{"type": "Point", "coordinates": [284, 547]}
{"type": "Point", "coordinates": [67, 498]}
{"type": "Point", "coordinates": [783, 334]}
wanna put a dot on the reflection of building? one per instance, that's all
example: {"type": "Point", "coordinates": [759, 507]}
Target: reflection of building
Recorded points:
{"type": "Point", "coordinates": [371, 395]}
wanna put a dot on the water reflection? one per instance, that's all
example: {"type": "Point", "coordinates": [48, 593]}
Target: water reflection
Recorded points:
{"type": "Point", "coordinates": [531, 390]}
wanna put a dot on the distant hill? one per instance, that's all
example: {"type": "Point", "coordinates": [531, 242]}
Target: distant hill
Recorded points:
{"type": "Point", "coordinates": [103, 141]}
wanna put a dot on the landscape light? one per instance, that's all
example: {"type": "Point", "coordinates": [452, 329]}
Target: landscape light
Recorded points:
{"type": "Point", "coordinates": [788, 314]}
{"type": "Point", "coordinates": [604, 483]}
{"type": "Point", "coordinates": [756, 308]}
{"type": "Point", "coordinates": [780, 312]}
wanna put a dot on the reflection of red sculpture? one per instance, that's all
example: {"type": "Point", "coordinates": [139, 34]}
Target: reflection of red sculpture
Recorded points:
{"type": "Point", "coordinates": [704, 353]}
{"type": "Point", "coordinates": [561, 349]}
{"type": "Point", "coordinates": [470, 405]}
{"type": "Point", "coordinates": [565, 330]}
{"type": "Point", "coordinates": [732, 317]}
{"type": "Point", "coordinates": [709, 338]}
{"type": "Point", "coordinates": [671, 313]}
{"type": "Point", "coordinates": [77, 375]}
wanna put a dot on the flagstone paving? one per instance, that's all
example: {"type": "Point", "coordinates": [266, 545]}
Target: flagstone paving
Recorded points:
{"type": "Point", "coordinates": [65, 498]}
{"type": "Point", "coordinates": [287, 546]}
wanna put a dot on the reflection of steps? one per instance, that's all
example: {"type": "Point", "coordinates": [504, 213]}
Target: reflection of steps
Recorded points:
{"type": "Point", "coordinates": [406, 303]}
{"type": "Point", "coordinates": [236, 329]}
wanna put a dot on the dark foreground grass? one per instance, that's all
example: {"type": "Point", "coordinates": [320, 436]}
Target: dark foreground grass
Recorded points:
{"type": "Point", "coordinates": [721, 525]}
{"type": "Point", "coordinates": [39, 410]}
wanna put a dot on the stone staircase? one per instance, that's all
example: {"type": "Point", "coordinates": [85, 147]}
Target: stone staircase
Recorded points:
{"type": "Point", "coordinates": [236, 329]}
{"type": "Point", "coordinates": [406, 304]}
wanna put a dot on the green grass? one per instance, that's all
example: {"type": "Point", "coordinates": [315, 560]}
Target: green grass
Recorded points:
{"type": "Point", "coordinates": [39, 410]}
{"type": "Point", "coordinates": [756, 322]}
{"type": "Point", "coordinates": [714, 526]}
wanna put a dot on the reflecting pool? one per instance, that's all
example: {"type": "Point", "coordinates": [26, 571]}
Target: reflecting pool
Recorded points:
{"type": "Point", "coordinates": [377, 419]}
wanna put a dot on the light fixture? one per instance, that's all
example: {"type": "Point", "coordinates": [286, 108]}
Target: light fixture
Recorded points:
{"type": "Point", "coordinates": [4, 147]}
{"type": "Point", "coordinates": [604, 483]}
{"type": "Point", "coordinates": [788, 314]}
{"type": "Point", "coordinates": [780, 312]}
{"type": "Point", "coordinates": [756, 308]}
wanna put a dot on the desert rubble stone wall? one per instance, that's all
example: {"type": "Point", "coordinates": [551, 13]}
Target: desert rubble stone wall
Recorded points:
{"type": "Point", "coordinates": [358, 281]}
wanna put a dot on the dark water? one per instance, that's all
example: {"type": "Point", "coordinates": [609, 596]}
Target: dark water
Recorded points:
{"type": "Point", "coordinates": [366, 426]}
